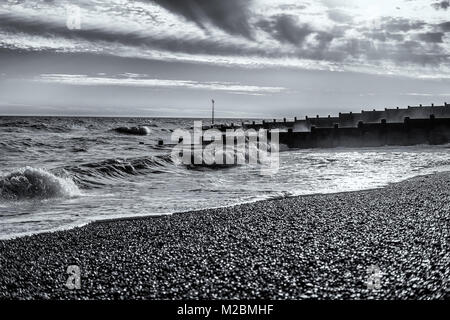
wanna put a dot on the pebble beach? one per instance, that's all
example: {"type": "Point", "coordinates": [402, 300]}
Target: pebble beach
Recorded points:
{"type": "Point", "coordinates": [325, 246]}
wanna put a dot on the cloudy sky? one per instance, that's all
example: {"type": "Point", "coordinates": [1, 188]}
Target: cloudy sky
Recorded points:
{"type": "Point", "coordinates": [256, 58]}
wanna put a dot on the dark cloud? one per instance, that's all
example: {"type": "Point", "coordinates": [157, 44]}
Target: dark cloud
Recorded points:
{"type": "Point", "coordinates": [285, 28]}
{"type": "Point", "coordinates": [229, 15]}
{"type": "Point", "coordinates": [417, 52]}
{"type": "Point", "coordinates": [411, 46]}
{"type": "Point", "coordinates": [435, 37]}
{"type": "Point", "coordinates": [390, 24]}
{"type": "Point", "coordinates": [402, 53]}
{"type": "Point", "coordinates": [445, 27]}
{"type": "Point", "coordinates": [191, 45]}
{"type": "Point", "coordinates": [331, 46]}
{"type": "Point", "coordinates": [296, 6]}
{"type": "Point", "coordinates": [385, 36]}
{"type": "Point", "coordinates": [444, 5]}
{"type": "Point", "coordinates": [339, 16]}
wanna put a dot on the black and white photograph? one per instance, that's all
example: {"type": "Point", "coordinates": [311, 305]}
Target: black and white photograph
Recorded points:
{"type": "Point", "coordinates": [238, 151]}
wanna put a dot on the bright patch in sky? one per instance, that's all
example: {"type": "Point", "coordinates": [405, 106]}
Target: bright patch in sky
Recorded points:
{"type": "Point", "coordinates": [138, 80]}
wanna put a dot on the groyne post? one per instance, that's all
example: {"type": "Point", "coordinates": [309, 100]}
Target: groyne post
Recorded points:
{"type": "Point", "coordinates": [336, 135]}
{"type": "Point", "coordinates": [406, 122]}
{"type": "Point", "coordinates": [383, 136]}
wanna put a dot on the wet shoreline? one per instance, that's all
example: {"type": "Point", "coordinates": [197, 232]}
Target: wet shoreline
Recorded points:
{"type": "Point", "coordinates": [321, 246]}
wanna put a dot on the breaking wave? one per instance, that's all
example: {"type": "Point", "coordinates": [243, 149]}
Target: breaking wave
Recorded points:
{"type": "Point", "coordinates": [96, 174]}
{"type": "Point", "coordinates": [242, 153]}
{"type": "Point", "coordinates": [34, 183]}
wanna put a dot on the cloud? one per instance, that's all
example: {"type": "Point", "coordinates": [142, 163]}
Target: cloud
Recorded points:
{"type": "Point", "coordinates": [138, 80]}
{"type": "Point", "coordinates": [445, 26]}
{"type": "Point", "coordinates": [232, 16]}
{"type": "Point", "coordinates": [305, 40]}
{"type": "Point", "coordinates": [434, 37]}
{"type": "Point", "coordinates": [232, 32]}
{"type": "Point", "coordinates": [391, 24]}
{"type": "Point", "coordinates": [98, 35]}
{"type": "Point", "coordinates": [444, 5]}
{"type": "Point", "coordinates": [384, 36]}
{"type": "Point", "coordinates": [286, 28]}
{"type": "Point", "coordinates": [339, 15]}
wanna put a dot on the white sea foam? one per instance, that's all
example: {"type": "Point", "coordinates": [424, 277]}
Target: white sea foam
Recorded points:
{"type": "Point", "coordinates": [35, 183]}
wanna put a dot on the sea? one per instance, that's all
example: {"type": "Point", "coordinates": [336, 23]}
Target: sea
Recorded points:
{"type": "Point", "coordinates": [62, 172]}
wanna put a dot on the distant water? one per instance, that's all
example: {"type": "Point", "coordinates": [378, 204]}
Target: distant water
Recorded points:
{"type": "Point", "coordinates": [57, 173]}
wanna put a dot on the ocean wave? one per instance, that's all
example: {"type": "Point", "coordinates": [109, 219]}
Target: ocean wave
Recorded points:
{"type": "Point", "coordinates": [97, 174]}
{"type": "Point", "coordinates": [49, 128]}
{"type": "Point", "coordinates": [8, 147]}
{"type": "Point", "coordinates": [24, 125]}
{"type": "Point", "coordinates": [35, 183]}
{"type": "Point", "coordinates": [14, 123]}
{"type": "Point", "coordinates": [142, 131]}
{"type": "Point", "coordinates": [242, 153]}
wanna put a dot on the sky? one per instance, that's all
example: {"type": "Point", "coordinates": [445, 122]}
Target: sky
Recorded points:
{"type": "Point", "coordinates": [255, 58]}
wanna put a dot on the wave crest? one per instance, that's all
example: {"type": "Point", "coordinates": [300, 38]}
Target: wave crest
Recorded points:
{"type": "Point", "coordinates": [34, 183]}
{"type": "Point", "coordinates": [96, 174]}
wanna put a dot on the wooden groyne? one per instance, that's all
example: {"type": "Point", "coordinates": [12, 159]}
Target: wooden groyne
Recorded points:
{"type": "Point", "coordinates": [409, 132]}
{"type": "Point", "coordinates": [389, 127]}
{"type": "Point", "coordinates": [352, 119]}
